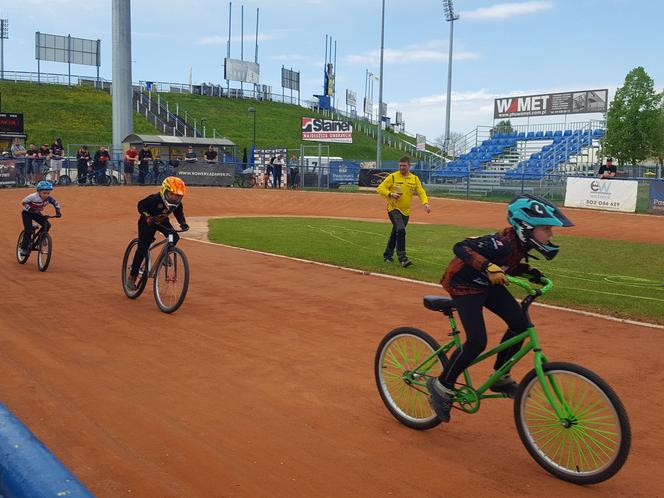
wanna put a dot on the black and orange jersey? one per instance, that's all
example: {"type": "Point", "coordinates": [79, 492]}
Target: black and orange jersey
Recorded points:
{"type": "Point", "coordinates": [466, 272]}
{"type": "Point", "coordinates": [153, 205]}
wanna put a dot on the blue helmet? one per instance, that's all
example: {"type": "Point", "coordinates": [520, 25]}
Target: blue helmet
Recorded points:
{"type": "Point", "coordinates": [44, 185]}
{"type": "Point", "coordinates": [526, 212]}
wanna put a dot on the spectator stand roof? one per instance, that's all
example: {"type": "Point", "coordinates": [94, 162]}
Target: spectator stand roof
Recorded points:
{"type": "Point", "coordinates": [169, 141]}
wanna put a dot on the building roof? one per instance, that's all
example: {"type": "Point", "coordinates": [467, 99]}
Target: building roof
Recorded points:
{"type": "Point", "coordinates": [135, 138]}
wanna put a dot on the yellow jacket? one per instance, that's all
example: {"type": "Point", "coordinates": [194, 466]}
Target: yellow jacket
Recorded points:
{"type": "Point", "coordinates": [407, 186]}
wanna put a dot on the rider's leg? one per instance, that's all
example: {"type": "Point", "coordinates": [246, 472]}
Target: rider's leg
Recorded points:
{"type": "Point", "coordinates": [28, 230]}
{"type": "Point", "coordinates": [145, 238]}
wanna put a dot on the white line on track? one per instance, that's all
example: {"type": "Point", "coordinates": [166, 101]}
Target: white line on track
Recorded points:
{"type": "Point", "coordinates": [419, 282]}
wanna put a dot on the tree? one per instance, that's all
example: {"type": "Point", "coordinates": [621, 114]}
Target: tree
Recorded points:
{"type": "Point", "coordinates": [658, 150]}
{"type": "Point", "coordinates": [504, 126]}
{"type": "Point", "coordinates": [633, 120]}
{"type": "Point", "coordinates": [456, 145]}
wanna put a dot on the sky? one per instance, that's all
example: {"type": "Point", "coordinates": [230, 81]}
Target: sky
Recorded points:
{"type": "Point", "coordinates": [500, 48]}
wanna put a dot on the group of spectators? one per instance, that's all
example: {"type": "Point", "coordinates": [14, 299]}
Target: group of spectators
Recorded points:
{"type": "Point", "coordinates": [274, 171]}
{"type": "Point", "coordinates": [88, 168]}
{"type": "Point", "coordinates": [33, 162]}
{"type": "Point", "coordinates": [147, 163]}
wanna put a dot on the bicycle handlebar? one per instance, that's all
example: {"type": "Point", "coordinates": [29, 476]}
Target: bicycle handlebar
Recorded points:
{"type": "Point", "coordinates": [524, 284]}
{"type": "Point", "coordinates": [170, 229]}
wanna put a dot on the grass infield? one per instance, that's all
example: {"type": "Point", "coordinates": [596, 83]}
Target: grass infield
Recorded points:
{"type": "Point", "coordinates": [621, 279]}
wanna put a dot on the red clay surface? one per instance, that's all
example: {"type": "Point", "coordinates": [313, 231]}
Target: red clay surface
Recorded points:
{"type": "Point", "coordinates": [262, 383]}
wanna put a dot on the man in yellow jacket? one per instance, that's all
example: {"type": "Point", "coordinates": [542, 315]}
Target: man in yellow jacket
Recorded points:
{"type": "Point", "coordinates": [398, 188]}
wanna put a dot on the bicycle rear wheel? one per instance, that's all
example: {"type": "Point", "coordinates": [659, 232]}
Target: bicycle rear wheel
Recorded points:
{"type": "Point", "coordinates": [403, 390]}
{"type": "Point", "coordinates": [44, 250]}
{"type": "Point", "coordinates": [64, 180]}
{"type": "Point", "coordinates": [19, 258]}
{"type": "Point", "coordinates": [591, 443]}
{"type": "Point", "coordinates": [171, 279]}
{"type": "Point", "coordinates": [142, 279]}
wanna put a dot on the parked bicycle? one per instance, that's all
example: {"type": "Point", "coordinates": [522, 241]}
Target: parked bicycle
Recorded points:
{"type": "Point", "coordinates": [570, 420]}
{"type": "Point", "coordinates": [170, 272]}
{"type": "Point", "coordinates": [244, 180]}
{"type": "Point", "coordinates": [40, 242]}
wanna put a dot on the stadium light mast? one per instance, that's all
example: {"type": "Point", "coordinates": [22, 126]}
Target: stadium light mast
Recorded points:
{"type": "Point", "coordinates": [450, 16]}
{"type": "Point", "coordinates": [380, 91]}
{"type": "Point", "coordinates": [4, 34]}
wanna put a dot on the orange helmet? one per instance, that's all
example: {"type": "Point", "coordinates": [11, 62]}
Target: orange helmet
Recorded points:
{"type": "Point", "coordinates": [172, 191]}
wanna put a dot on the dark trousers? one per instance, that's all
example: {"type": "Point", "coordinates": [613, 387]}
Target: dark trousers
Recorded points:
{"type": "Point", "coordinates": [146, 235]}
{"type": "Point", "coordinates": [498, 300]}
{"type": "Point", "coordinates": [398, 235]}
{"type": "Point", "coordinates": [269, 172]}
{"type": "Point", "coordinates": [277, 176]}
{"type": "Point", "coordinates": [99, 175]}
{"type": "Point", "coordinates": [27, 226]}
{"type": "Point", "coordinates": [142, 171]}
{"type": "Point", "coordinates": [82, 172]}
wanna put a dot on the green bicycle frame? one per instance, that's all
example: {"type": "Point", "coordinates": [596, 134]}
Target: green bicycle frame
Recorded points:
{"type": "Point", "coordinates": [549, 386]}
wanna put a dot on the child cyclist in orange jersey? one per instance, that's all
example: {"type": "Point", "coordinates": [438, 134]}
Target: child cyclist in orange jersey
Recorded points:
{"type": "Point", "coordinates": [476, 279]}
{"type": "Point", "coordinates": [156, 208]}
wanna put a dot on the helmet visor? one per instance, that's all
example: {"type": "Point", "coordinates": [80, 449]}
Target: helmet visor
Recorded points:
{"type": "Point", "coordinates": [172, 198]}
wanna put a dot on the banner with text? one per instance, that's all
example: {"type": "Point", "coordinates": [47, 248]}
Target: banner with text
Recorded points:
{"type": "Point", "coordinates": [200, 173]}
{"type": "Point", "coordinates": [611, 195]}
{"type": "Point", "coordinates": [421, 142]}
{"type": "Point", "coordinates": [327, 130]}
{"type": "Point", "coordinates": [549, 104]}
{"type": "Point", "coordinates": [656, 197]}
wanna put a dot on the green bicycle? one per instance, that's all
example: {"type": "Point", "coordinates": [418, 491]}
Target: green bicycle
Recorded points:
{"type": "Point", "coordinates": [570, 420]}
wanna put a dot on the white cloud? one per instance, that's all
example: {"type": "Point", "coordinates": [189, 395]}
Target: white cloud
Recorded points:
{"type": "Point", "coordinates": [221, 40]}
{"type": "Point", "coordinates": [431, 51]}
{"type": "Point", "coordinates": [506, 10]}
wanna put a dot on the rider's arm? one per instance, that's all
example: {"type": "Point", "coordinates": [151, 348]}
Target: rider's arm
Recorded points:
{"type": "Point", "coordinates": [55, 203]}
{"type": "Point", "coordinates": [179, 215]}
{"type": "Point", "coordinates": [145, 206]}
{"type": "Point", "coordinates": [420, 191]}
{"type": "Point", "coordinates": [479, 252]}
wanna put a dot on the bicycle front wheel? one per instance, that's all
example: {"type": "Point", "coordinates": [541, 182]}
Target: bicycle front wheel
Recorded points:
{"type": "Point", "coordinates": [142, 279]}
{"type": "Point", "coordinates": [45, 248]}
{"type": "Point", "coordinates": [402, 389]}
{"type": "Point", "coordinates": [171, 279]}
{"type": "Point", "coordinates": [591, 443]}
{"type": "Point", "coordinates": [19, 258]}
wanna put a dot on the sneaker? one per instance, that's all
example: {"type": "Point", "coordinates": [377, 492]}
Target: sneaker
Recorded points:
{"type": "Point", "coordinates": [506, 385]}
{"type": "Point", "coordinates": [406, 263]}
{"type": "Point", "coordinates": [388, 259]}
{"type": "Point", "coordinates": [440, 398]}
{"type": "Point", "coordinates": [23, 252]}
{"type": "Point", "coordinates": [131, 284]}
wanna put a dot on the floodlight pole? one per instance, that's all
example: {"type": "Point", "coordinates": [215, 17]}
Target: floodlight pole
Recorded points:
{"type": "Point", "coordinates": [380, 90]}
{"type": "Point", "coordinates": [448, 6]}
{"type": "Point", "coordinates": [4, 33]}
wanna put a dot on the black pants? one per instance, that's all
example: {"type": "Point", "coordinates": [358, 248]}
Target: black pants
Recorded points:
{"type": "Point", "coordinates": [295, 177]}
{"type": "Point", "coordinates": [398, 235]}
{"type": "Point", "coordinates": [146, 235]}
{"type": "Point", "coordinates": [82, 172]}
{"type": "Point", "coordinates": [277, 176]}
{"type": "Point", "coordinates": [269, 172]}
{"type": "Point", "coordinates": [142, 171]}
{"type": "Point", "coordinates": [497, 300]}
{"type": "Point", "coordinates": [27, 226]}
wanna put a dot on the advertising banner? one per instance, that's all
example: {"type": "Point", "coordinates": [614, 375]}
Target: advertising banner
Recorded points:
{"type": "Point", "coordinates": [373, 177]}
{"type": "Point", "coordinates": [327, 130]}
{"type": "Point", "coordinates": [262, 158]}
{"type": "Point", "coordinates": [11, 123]}
{"type": "Point", "coordinates": [202, 173]}
{"type": "Point", "coordinates": [343, 173]}
{"type": "Point", "coordinates": [351, 98]}
{"type": "Point", "coordinates": [7, 173]}
{"type": "Point", "coordinates": [656, 197]}
{"type": "Point", "coordinates": [290, 79]}
{"type": "Point", "coordinates": [549, 104]}
{"type": "Point", "coordinates": [368, 106]}
{"type": "Point", "coordinates": [421, 142]}
{"type": "Point", "coordinates": [592, 193]}
{"type": "Point", "coordinates": [58, 48]}
{"type": "Point", "coordinates": [245, 71]}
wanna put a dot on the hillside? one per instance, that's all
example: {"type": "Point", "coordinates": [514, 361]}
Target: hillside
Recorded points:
{"type": "Point", "coordinates": [78, 115]}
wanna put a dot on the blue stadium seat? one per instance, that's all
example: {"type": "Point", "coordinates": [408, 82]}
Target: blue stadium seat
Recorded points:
{"type": "Point", "coordinates": [530, 136]}
{"type": "Point", "coordinates": [557, 133]}
{"type": "Point", "coordinates": [539, 134]}
{"type": "Point", "coordinates": [567, 133]}
{"type": "Point", "coordinates": [548, 134]}
{"type": "Point", "coordinates": [521, 135]}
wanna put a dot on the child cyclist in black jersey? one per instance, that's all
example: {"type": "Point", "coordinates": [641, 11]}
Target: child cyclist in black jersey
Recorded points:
{"type": "Point", "coordinates": [156, 208]}
{"type": "Point", "coordinates": [476, 279]}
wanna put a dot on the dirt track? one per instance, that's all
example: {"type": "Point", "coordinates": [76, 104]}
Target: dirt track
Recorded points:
{"type": "Point", "coordinates": [262, 384]}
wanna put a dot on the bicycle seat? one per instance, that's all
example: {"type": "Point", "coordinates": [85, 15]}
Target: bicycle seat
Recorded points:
{"type": "Point", "coordinates": [439, 303]}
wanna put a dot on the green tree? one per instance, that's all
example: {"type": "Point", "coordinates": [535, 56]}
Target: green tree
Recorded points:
{"type": "Point", "coordinates": [633, 119]}
{"type": "Point", "coordinates": [504, 126]}
{"type": "Point", "coordinates": [658, 150]}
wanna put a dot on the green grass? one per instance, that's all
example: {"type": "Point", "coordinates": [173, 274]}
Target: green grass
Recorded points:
{"type": "Point", "coordinates": [277, 125]}
{"type": "Point", "coordinates": [78, 115]}
{"type": "Point", "coordinates": [617, 278]}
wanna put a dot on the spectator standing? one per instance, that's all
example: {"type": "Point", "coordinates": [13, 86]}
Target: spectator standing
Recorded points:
{"type": "Point", "coordinates": [607, 171]}
{"type": "Point", "coordinates": [101, 161]}
{"type": "Point", "coordinates": [278, 167]}
{"type": "Point", "coordinates": [294, 172]}
{"type": "Point", "coordinates": [174, 164]}
{"type": "Point", "coordinates": [157, 167]}
{"type": "Point", "coordinates": [130, 160]}
{"type": "Point", "coordinates": [144, 157]}
{"type": "Point", "coordinates": [18, 153]}
{"type": "Point", "coordinates": [269, 172]}
{"type": "Point", "coordinates": [211, 155]}
{"type": "Point", "coordinates": [190, 155]}
{"type": "Point", "coordinates": [30, 156]}
{"type": "Point", "coordinates": [43, 155]}
{"type": "Point", "coordinates": [82, 158]}
{"type": "Point", "coordinates": [57, 155]}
